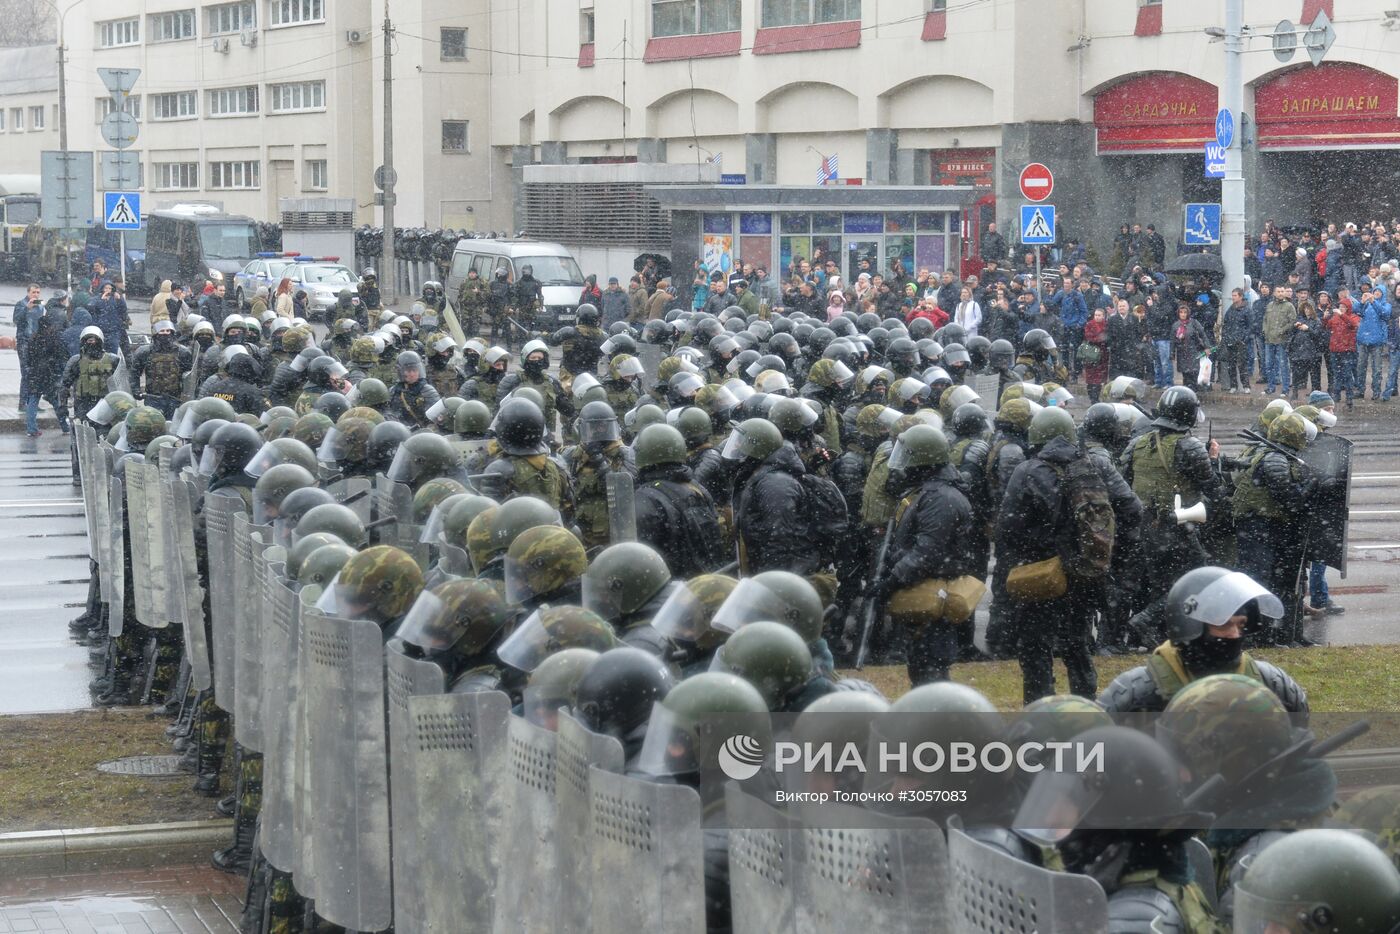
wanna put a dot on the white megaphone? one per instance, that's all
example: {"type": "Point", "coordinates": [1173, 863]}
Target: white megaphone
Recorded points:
{"type": "Point", "coordinates": [1196, 513]}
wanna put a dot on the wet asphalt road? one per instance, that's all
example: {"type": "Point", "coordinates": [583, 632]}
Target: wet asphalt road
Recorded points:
{"type": "Point", "coordinates": [44, 570]}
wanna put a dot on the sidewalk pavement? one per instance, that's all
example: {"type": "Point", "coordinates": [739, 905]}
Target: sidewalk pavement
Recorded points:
{"type": "Point", "coordinates": [170, 900]}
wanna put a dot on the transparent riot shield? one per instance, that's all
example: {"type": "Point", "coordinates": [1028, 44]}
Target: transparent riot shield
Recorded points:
{"type": "Point", "coordinates": [357, 493]}
{"type": "Point", "coordinates": [645, 840]}
{"type": "Point", "coordinates": [281, 632]}
{"type": "Point", "coordinates": [395, 501]}
{"type": "Point", "coordinates": [1330, 457]}
{"type": "Point", "coordinates": [990, 889]}
{"type": "Point", "coordinates": [101, 467]}
{"type": "Point", "coordinates": [172, 583]}
{"type": "Point", "coordinates": [460, 752]}
{"type": "Point", "coordinates": [348, 771]}
{"type": "Point", "coordinates": [219, 511]}
{"type": "Point", "coordinates": [143, 568]}
{"type": "Point", "coordinates": [249, 541]}
{"type": "Point", "coordinates": [302, 746]}
{"type": "Point", "coordinates": [577, 750]}
{"type": "Point", "coordinates": [86, 440]}
{"type": "Point", "coordinates": [527, 889]}
{"type": "Point", "coordinates": [191, 592]}
{"type": "Point", "coordinates": [116, 529]}
{"type": "Point", "coordinates": [405, 678]}
{"type": "Point", "coordinates": [988, 388]}
{"type": "Point", "coordinates": [763, 861]}
{"type": "Point", "coordinates": [840, 865]}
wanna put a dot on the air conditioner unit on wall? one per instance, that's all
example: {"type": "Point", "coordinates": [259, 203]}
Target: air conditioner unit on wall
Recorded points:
{"type": "Point", "coordinates": [220, 44]}
{"type": "Point", "coordinates": [248, 38]}
{"type": "Point", "coordinates": [354, 36]}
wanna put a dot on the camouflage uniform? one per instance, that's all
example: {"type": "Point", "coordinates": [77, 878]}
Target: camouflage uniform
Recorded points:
{"type": "Point", "coordinates": [589, 471]}
{"type": "Point", "coordinates": [471, 303]}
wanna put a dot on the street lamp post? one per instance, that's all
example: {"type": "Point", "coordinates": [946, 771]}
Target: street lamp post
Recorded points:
{"type": "Point", "coordinates": [62, 82]}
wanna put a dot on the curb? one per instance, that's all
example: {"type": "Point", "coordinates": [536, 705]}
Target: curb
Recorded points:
{"type": "Point", "coordinates": [15, 426]}
{"type": "Point", "coordinates": [97, 849]}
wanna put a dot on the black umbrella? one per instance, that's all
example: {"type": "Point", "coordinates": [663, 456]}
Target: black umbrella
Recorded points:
{"type": "Point", "coordinates": [1196, 262]}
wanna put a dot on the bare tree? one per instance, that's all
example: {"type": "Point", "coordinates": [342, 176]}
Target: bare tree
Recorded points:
{"type": "Point", "coordinates": [26, 22]}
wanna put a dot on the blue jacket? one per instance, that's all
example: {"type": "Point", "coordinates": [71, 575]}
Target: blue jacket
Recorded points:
{"type": "Point", "coordinates": [1235, 329]}
{"type": "Point", "coordinates": [1375, 316]}
{"type": "Point", "coordinates": [25, 323]}
{"type": "Point", "coordinates": [1256, 315]}
{"type": "Point", "coordinates": [110, 315]}
{"type": "Point", "coordinates": [79, 320]}
{"type": "Point", "coordinates": [1074, 311]}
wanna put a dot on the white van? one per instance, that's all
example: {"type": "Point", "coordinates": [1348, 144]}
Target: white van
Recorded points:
{"type": "Point", "coordinates": [550, 263]}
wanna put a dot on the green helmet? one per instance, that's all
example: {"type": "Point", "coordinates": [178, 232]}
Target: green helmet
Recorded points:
{"type": "Point", "coordinates": [753, 438]}
{"type": "Point", "coordinates": [363, 411]}
{"type": "Point", "coordinates": [1310, 412]}
{"type": "Point", "coordinates": [1060, 718]}
{"type": "Point", "coordinates": [944, 709]}
{"type": "Point", "coordinates": [158, 442]}
{"type": "Point", "coordinates": [298, 553]}
{"type": "Point", "coordinates": [554, 683]}
{"type": "Point", "coordinates": [1290, 431]}
{"type": "Point", "coordinates": [457, 619]}
{"type": "Point", "coordinates": [542, 561]}
{"type": "Point", "coordinates": [919, 446]}
{"type": "Point", "coordinates": [472, 419]}
{"type": "Point", "coordinates": [528, 392]}
{"type": "Point", "coordinates": [423, 457]}
{"type": "Point", "coordinates": [952, 398]}
{"type": "Point", "coordinates": [870, 422]}
{"type": "Point", "coordinates": [516, 516]}
{"type": "Point", "coordinates": [460, 517]}
{"type": "Point", "coordinates": [1376, 811]}
{"type": "Point", "coordinates": [1319, 880]}
{"type": "Point", "coordinates": [830, 374]}
{"type": "Point", "coordinates": [778, 596]}
{"type": "Point", "coordinates": [694, 425]}
{"type": "Point", "coordinates": [112, 408]}
{"type": "Point", "coordinates": [274, 485]}
{"type": "Point", "coordinates": [661, 444]}
{"type": "Point", "coordinates": [143, 424]}
{"type": "Point", "coordinates": [770, 656]}
{"type": "Point", "coordinates": [1228, 724]}
{"type": "Point", "coordinates": [362, 351]}
{"type": "Point", "coordinates": [277, 411]}
{"type": "Point", "coordinates": [432, 493]}
{"type": "Point", "coordinates": [371, 393]}
{"type": "Point", "coordinates": [1015, 413]}
{"type": "Point", "coordinates": [623, 579]}
{"type": "Point", "coordinates": [378, 584]}
{"type": "Point", "coordinates": [683, 736]}
{"type": "Point", "coordinates": [840, 719]}
{"type": "Point", "coordinates": [690, 608]}
{"type": "Point", "coordinates": [552, 629]}
{"type": "Point", "coordinates": [1273, 410]}
{"type": "Point", "coordinates": [311, 429]}
{"type": "Point", "coordinates": [281, 451]}
{"type": "Point", "coordinates": [322, 564]}
{"type": "Point", "coordinates": [1048, 423]}
{"type": "Point", "coordinates": [481, 542]}
{"type": "Point", "coordinates": [335, 518]}
{"type": "Point", "coordinates": [348, 442]}
{"type": "Point", "coordinates": [667, 368]}
{"type": "Point", "coordinates": [794, 418]}
{"type": "Point", "coordinates": [279, 427]}
{"type": "Point", "coordinates": [642, 416]}
{"type": "Point", "coordinates": [201, 411]}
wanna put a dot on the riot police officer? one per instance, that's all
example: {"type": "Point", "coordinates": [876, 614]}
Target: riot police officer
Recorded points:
{"type": "Point", "coordinates": [412, 395]}
{"type": "Point", "coordinates": [163, 363]}
{"type": "Point", "coordinates": [599, 453]}
{"type": "Point", "coordinates": [580, 344]}
{"type": "Point", "coordinates": [675, 514]}
{"type": "Point", "coordinates": [534, 372]}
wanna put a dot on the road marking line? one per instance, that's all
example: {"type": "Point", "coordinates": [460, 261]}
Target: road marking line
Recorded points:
{"type": "Point", "coordinates": [1376, 547]}
{"type": "Point", "coordinates": [1375, 512]}
{"type": "Point", "coordinates": [18, 503]}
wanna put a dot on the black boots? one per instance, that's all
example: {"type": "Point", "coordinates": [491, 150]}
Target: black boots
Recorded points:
{"type": "Point", "coordinates": [235, 858]}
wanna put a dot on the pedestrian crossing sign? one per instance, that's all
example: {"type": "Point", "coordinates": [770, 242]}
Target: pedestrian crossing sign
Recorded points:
{"type": "Point", "coordinates": [1037, 223]}
{"type": "Point", "coordinates": [121, 210]}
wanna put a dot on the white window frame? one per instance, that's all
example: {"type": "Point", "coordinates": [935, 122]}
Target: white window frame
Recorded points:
{"type": "Point", "coordinates": [117, 33]}
{"type": "Point", "coordinates": [133, 107]}
{"type": "Point", "coordinates": [765, 21]}
{"type": "Point", "coordinates": [937, 6]}
{"type": "Point", "coordinates": [442, 43]}
{"type": "Point", "coordinates": [466, 137]}
{"type": "Point", "coordinates": [184, 175]}
{"type": "Point", "coordinates": [317, 175]}
{"type": "Point", "coordinates": [16, 119]}
{"type": "Point", "coordinates": [244, 94]}
{"type": "Point", "coordinates": [286, 13]}
{"type": "Point", "coordinates": [296, 97]}
{"type": "Point", "coordinates": [240, 17]}
{"type": "Point", "coordinates": [2, 119]}
{"type": "Point", "coordinates": [235, 175]}
{"type": "Point", "coordinates": [173, 26]}
{"type": "Point", "coordinates": [190, 97]}
{"type": "Point", "coordinates": [695, 18]}
{"type": "Point", "coordinates": [36, 118]}
{"type": "Point", "coordinates": [587, 27]}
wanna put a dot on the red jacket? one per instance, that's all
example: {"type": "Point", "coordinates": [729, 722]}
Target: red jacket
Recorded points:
{"type": "Point", "coordinates": [1342, 324]}
{"type": "Point", "coordinates": [937, 315]}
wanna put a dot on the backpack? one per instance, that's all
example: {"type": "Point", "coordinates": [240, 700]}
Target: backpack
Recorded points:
{"type": "Point", "coordinates": [1086, 550]}
{"type": "Point", "coordinates": [825, 514]}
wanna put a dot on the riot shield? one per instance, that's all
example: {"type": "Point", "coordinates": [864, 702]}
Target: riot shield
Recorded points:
{"type": "Point", "coordinates": [348, 771]}
{"type": "Point", "coordinates": [172, 580]}
{"type": "Point", "coordinates": [651, 356]}
{"type": "Point", "coordinates": [647, 856]}
{"type": "Point", "coordinates": [460, 746]}
{"type": "Point", "coordinates": [988, 387]}
{"type": "Point", "coordinates": [394, 501]}
{"type": "Point", "coordinates": [302, 744]}
{"type": "Point", "coordinates": [404, 678]}
{"type": "Point", "coordinates": [622, 507]}
{"type": "Point", "coordinates": [528, 889]}
{"type": "Point", "coordinates": [1329, 457]}
{"type": "Point", "coordinates": [101, 467]}
{"type": "Point", "coordinates": [190, 590]}
{"type": "Point", "coordinates": [188, 384]}
{"type": "Point", "coordinates": [990, 889]}
{"type": "Point", "coordinates": [86, 440]}
{"type": "Point", "coordinates": [116, 529]}
{"type": "Point", "coordinates": [575, 751]}
{"type": "Point", "coordinates": [219, 511]}
{"type": "Point", "coordinates": [357, 493]}
{"type": "Point", "coordinates": [155, 547]}
{"type": "Point", "coordinates": [120, 380]}
{"type": "Point", "coordinates": [249, 542]}
{"type": "Point", "coordinates": [763, 860]}
{"type": "Point", "coordinates": [138, 533]}
{"type": "Point", "coordinates": [887, 874]}
{"type": "Point", "coordinates": [280, 701]}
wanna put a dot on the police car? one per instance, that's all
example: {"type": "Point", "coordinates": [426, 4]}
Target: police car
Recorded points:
{"type": "Point", "coordinates": [322, 278]}
{"type": "Point", "coordinates": [266, 270]}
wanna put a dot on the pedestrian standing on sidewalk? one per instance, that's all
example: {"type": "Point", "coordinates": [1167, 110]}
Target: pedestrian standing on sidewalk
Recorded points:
{"type": "Point", "coordinates": [46, 357]}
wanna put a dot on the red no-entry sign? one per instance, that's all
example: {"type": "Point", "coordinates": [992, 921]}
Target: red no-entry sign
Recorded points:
{"type": "Point", "coordinates": [1036, 182]}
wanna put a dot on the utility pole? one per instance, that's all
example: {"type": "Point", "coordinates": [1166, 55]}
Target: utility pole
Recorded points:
{"type": "Point", "coordinates": [1232, 186]}
{"type": "Point", "coordinates": [62, 97]}
{"type": "Point", "coordinates": [388, 281]}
